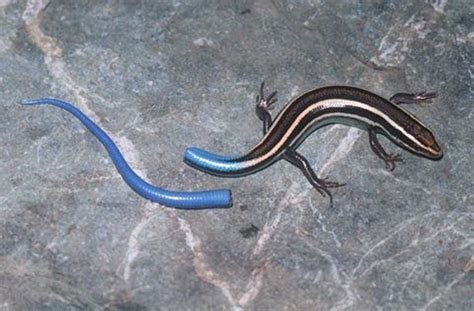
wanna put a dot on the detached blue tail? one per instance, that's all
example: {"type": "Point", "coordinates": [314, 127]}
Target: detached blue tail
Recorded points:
{"type": "Point", "coordinates": [183, 200]}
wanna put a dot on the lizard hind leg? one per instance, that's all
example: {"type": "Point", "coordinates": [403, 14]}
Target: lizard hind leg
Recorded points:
{"type": "Point", "coordinates": [322, 185]}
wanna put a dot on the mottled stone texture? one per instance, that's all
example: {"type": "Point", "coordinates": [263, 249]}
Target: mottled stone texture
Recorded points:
{"type": "Point", "coordinates": [162, 75]}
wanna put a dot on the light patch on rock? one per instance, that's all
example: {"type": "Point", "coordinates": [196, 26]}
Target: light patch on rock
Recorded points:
{"type": "Point", "coordinates": [203, 41]}
{"type": "Point", "coordinates": [295, 90]}
{"type": "Point", "coordinates": [398, 40]}
{"type": "Point", "coordinates": [463, 38]}
{"type": "Point", "coordinates": [438, 5]}
{"type": "Point", "coordinates": [5, 45]}
{"type": "Point", "coordinates": [132, 155]}
{"type": "Point", "coordinates": [5, 42]}
{"type": "Point", "coordinates": [3, 4]}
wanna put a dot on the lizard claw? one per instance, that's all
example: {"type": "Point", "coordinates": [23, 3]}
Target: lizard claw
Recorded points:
{"type": "Point", "coordinates": [265, 103]}
{"type": "Point", "coordinates": [330, 184]}
{"type": "Point", "coordinates": [424, 96]}
{"type": "Point", "coordinates": [391, 159]}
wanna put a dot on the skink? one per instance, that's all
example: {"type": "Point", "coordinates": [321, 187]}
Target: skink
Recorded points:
{"type": "Point", "coordinates": [313, 110]}
{"type": "Point", "coordinates": [183, 200]}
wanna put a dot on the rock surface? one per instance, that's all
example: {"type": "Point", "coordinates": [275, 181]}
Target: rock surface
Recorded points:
{"type": "Point", "coordinates": [162, 75]}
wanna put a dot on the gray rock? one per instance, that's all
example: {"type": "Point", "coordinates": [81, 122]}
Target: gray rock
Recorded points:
{"type": "Point", "coordinates": [159, 76]}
